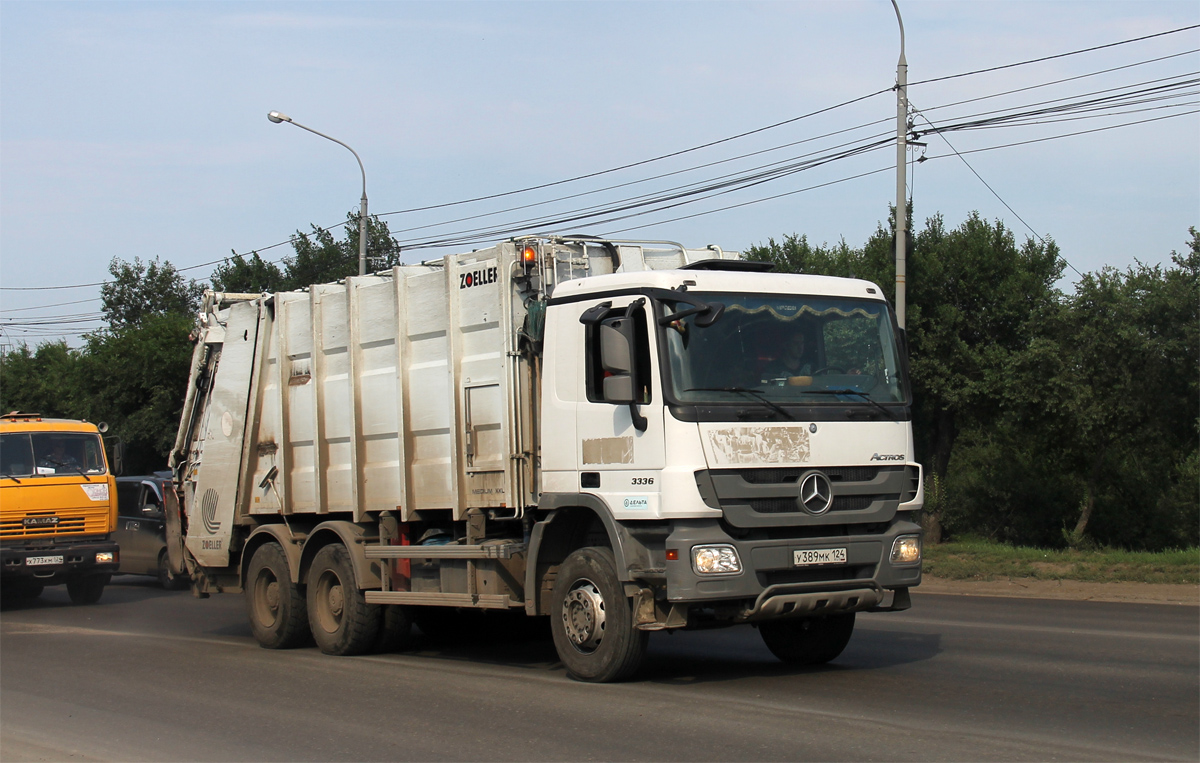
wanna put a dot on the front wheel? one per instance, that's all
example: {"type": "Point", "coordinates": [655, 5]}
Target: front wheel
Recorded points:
{"type": "Point", "coordinates": [341, 620]}
{"type": "Point", "coordinates": [275, 604]}
{"type": "Point", "coordinates": [810, 640]}
{"type": "Point", "coordinates": [592, 619]}
{"type": "Point", "coordinates": [87, 589]}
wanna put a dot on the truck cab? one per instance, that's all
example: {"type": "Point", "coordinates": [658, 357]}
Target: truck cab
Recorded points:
{"type": "Point", "coordinates": [749, 433]}
{"type": "Point", "coordinates": [58, 508]}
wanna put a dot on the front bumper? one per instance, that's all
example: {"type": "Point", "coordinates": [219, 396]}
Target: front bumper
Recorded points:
{"type": "Point", "coordinates": [76, 559]}
{"type": "Point", "coordinates": [771, 586]}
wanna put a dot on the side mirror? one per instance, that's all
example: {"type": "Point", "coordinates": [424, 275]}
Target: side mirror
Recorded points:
{"type": "Point", "coordinates": [617, 358]}
{"type": "Point", "coordinates": [118, 457]}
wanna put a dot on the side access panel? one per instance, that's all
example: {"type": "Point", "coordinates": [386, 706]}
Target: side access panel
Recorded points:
{"type": "Point", "coordinates": [224, 428]}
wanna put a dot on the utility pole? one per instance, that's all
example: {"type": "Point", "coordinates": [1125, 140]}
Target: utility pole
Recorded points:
{"type": "Point", "coordinates": [277, 118]}
{"type": "Point", "coordinates": [901, 181]}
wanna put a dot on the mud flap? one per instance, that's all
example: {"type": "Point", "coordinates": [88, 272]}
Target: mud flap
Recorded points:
{"type": "Point", "coordinates": [176, 554]}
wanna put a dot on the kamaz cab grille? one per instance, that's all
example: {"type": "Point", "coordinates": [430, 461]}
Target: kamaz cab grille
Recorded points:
{"type": "Point", "coordinates": [88, 521]}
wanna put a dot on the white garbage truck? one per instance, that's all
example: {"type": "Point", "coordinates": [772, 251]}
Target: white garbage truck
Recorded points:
{"type": "Point", "coordinates": [626, 437]}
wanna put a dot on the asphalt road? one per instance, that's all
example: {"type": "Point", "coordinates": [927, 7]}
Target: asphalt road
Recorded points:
{"type": "Point", "coordinates": [151, 675]}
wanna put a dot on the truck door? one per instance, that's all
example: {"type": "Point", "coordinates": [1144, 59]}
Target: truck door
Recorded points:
{"type": "Point", "coordinates": [620, 444]}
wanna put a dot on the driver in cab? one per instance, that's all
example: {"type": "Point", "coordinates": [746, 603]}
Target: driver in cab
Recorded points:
{"type": "Point", "coordinates": [790, 362]}
{"type": "Point", "coordinates": [58, 460]}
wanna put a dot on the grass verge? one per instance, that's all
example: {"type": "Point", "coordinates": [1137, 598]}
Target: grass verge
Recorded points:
{"type": "Point", "coordinates": [986, 560]}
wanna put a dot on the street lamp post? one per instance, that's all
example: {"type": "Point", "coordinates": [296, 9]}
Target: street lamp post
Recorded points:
{"type": "Point", "coordinates": [901, 184]}
{"type": "Point", "coordinates": [277, 117]}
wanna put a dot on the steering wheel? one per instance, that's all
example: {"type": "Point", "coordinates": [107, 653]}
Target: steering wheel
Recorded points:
{"type": "Point", "coordinates": [828, 370]}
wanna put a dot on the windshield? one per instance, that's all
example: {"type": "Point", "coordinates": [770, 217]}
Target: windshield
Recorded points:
{"type": "Point", "coordinates": [50, 453]}
{"type": "Point", "coordinates": [785, 349]}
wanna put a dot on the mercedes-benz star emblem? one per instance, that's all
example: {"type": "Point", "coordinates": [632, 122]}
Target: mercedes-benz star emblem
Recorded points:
{"type": "Point", "coordinates": [816, 494]}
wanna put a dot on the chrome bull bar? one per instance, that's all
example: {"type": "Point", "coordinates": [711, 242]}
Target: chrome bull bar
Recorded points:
{"type": "Point", "coordinates": [790, 600]}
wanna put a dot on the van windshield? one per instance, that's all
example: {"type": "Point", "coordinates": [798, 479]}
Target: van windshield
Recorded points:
{"type": "Point", "coordinates": [50, 453]}
{"type": "Point", "coordinates": [785, 349]}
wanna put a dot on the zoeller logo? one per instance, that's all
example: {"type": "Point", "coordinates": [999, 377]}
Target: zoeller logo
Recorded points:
{"type": "Point", "coordinates": [888, 457]}
{"type": "Point", "coordinates": [208, 511]}
{"type": "Point", "coordinates": [478, 278]}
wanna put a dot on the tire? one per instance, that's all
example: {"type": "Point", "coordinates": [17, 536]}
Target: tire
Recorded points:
{"type": "Point", "coordinates": [341, 620]}
{"type": "Point", "coordinates": [87, 589]}
{"type": "Point", "coordinates": [395, 629]}
{"type": "Point", "coordinates": [808, 641]}
{"type": "Point", "coordinates": [591, 619]}
{"type": "Point", "coordinates": [274, 604]}
{"type": "Point", "coordinates": [167, 577]}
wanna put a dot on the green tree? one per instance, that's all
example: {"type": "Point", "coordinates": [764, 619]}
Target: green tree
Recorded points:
{"type": "Point", "coordinates": [317, 257]}
{"type": "Point", "coordinates": [135, 379]}
{"type": "Point", "coordinates": [134, 371]}
{"type": "Point", "coordinates": [138, 290]}
{"type": "Point", "coordinates": [252, 275]}
{"type": "Point", "coordinates": [1123, 361]}
{"type": "Point", "coordinates": [47, 381]}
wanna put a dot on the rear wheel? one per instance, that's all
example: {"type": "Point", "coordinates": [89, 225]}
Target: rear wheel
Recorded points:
{"type": "Point", "coordinates": [808, 641]}
{"type": "Point", "coordinates": [592, 619]}
{"type": "Point", "coordinates": [395, 628]}
{"type": "Point", "coordinates": [167, 577]}
{"type": "Point", "coordinates": [275, 604]}
{"type": "Point", "coordinates": [341, 620]}
{"type": "Point", "coordinates": [87, 589]}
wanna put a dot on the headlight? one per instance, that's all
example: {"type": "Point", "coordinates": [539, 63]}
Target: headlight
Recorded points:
{"type": "Point", "coordinates": [906, 549]}
{"type": "Point", "coordinates": [105, 557]}
{"type": "Point", "coordinates": [716, 560]}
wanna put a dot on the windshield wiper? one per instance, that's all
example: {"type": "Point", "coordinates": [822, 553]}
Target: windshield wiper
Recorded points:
{"type": "Point", "coordinates": [75, 468]}
{"type": "Point", "coordinates": [754, 394]}
{"type": "Point", "coordinates": [849, 391]}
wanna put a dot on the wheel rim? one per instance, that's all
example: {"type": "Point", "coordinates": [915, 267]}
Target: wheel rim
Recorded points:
{"type": "Point", "coordinates": [330, 601]}
{"type": "Point", "coordinates": [583, 616]}
{"type": "Point", "coordinates": [266, 598]}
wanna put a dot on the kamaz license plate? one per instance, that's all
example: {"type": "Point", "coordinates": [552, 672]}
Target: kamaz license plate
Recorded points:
{"type": "Point", "coordinates": [33, 561]}
{"type": "Point", "coordinates": [809, 556]}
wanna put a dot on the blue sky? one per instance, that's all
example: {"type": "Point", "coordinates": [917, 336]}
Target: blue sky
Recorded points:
{"type": "Point", "coordinates": [139, 129]}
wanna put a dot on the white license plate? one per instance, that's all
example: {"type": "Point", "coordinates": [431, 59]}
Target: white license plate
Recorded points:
{"type": "Point", "coordinates": [32, 561]}
{"type": "Point", "coordinates": [810, 556]}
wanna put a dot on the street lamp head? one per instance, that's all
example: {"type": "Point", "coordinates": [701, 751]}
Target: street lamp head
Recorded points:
{"type": "Point", "coordinates": [277, 117]}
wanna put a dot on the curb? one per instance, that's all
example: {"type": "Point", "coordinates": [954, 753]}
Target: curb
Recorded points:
{"type": "Point", "coordinates": [1072, 590]}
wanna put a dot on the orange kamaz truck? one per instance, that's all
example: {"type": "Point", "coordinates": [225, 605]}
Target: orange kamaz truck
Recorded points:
{"type": "Point", "coordinates": [58, 508]}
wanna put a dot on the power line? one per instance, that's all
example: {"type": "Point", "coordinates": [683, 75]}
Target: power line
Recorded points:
{"type": "Point", "coordinates": [680, 152]}
{"type": "Point", "coordinates": [941, 130]}
{"type": "Point", "coordinates": [1064, 79]}
{"type": "Point", "coordinates": [1058, 55]}
{"type": "Point", "coordinates": [941, 134]}
{"type": "Point", "coordinates": [42, 307]}
{"type": "Point", "coordinates": [473, 234]}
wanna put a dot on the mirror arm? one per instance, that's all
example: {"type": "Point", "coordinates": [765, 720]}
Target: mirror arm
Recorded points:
{"type": "Point", "coordinates": [713, 311]}
{"type": "Point", "coordinates": [640, 422]}
{"type": "Point", "coordinates": [595, 314]}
